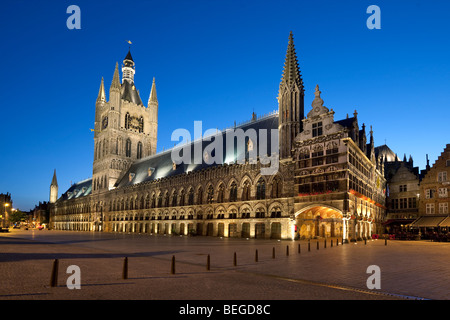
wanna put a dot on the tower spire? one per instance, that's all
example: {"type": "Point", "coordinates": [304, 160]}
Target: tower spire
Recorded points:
{"type": "Point", "coordinates": [153, 97]}
{"type": "Point", "coordinates": [291, 106]}
{"type": "Point", "coordinates": [54, 189]}
{"type": "Point", "coordinates": [101, 92]}
{"type": "Point", "coordinates": [116, 79]}
{"type": "Point", "coordinates": [291, 73]}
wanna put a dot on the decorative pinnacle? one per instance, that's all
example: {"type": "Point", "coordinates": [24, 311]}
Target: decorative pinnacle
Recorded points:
{"type": "Point", "coordinates": [317, 102]}
{"type": "Point", "coordinates": [101, 92]}
{"type": "Point", "coordinates": [153, 97]}
{"type": "Point", "coordinates": [116, 79]}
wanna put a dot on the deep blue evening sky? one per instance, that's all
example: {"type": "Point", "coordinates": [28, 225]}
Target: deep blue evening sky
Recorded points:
{"type": "Point", "coordinates": [214, 61]}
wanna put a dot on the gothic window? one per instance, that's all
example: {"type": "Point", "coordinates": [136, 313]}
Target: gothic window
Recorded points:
{"type": "Point", "coordinates": [160, 201]}
{"type": "Point", "coordinates": [260, 213]}
{"type": "Point", "coordinates": [261, 189]}
{"type": "Point", "coordinates": [128, 148]}
{"type": "Point", "coordinates": [153, 202]}
{"type": "Point", "coordinates": [99, 150]}
{"type": "Point", "coordinates": [246, 191]}
{"type": "Point", "coordinates": [200, 196]}
{"type": "Point", "coordinates": [147, 202]}
{"type": "Point", "coordinates": [317, 129]}
{"type": "Point", "coordinates": [191, 197]}
{"type": "Point", "coordinates": [233, 192]}
{"type": "Point", "coordinates": [141, 124]}
{"type": "Point", "coordinates": [174, 199]}
{"type": "Point", "coordinates": [210, 195]}
{"type": "Point", "coordinates": [127, 121]}
{"type": "Point", "coordinates": [139, 150]}
{"type": "Point", "coordinates": [276, 187]}
{"type": "Point", "coordinates": [182, 196]}
{"type": "Point", "coordinates": [166, 199]}
{"type": "Point", "coordinates": [221, 194]}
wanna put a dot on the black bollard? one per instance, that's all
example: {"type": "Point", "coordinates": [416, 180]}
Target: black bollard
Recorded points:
{"type": "Point", "coordinates": [125, 268]}
{"type": "Point", "coordinates": [287, 250]}
{"type": "Point", "coordinates": [235, 260]}
{"type": "Point", "coordinates": [385, 241]}
{"type": "Point", "coordinates": [331, 242]}
{"type": "Point", "coordinates": [172, 268]}
{"type": "Point", "coordinates": [317, 245]}
{"type": "Point", "coordinates": [309, 245]}
{"type": "Point", "coordinates": [208, 263]}
{"type": "Point", "coordinates": [299, 250]}
{"type": "Point", "coordinates": [54, 276]}
{"type": "Point", "coordinates": [325, 244]}
{"type": "Point", "coordinates": [273, 253]}
{"type": "Point", "coordinates": [256, 255]}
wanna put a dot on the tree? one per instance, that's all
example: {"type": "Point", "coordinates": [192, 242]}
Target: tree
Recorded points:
{"type": "Point", "coordinates": [17, 216]}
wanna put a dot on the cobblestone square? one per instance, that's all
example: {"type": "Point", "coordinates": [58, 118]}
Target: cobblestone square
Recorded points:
{"type": "Point", "coordinates": [239, 269]}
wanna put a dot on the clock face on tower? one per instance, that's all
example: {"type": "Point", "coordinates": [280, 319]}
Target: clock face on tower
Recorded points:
{"type": "Point", "coordinates": [105, 123]}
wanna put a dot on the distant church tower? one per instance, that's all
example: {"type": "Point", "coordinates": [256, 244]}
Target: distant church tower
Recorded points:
{"type": "Point", "coordinates": [54, 189]}
{"type": "Point", "coordinates": [290, 102]}
{"type": "Point", "coordinates": [124, 130]}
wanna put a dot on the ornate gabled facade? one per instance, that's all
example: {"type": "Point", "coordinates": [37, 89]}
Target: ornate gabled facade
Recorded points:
{"type": "Point", "coordinates": [340, 184]}
{"type": "Point", "coordinates": [327, 181]}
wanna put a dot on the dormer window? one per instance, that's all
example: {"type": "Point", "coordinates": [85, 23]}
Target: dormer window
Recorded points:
{"type": "Point", "coordinates": [317, 129]}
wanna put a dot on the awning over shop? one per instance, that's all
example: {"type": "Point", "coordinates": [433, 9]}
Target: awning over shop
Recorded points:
{"type": "Point", "coordinates": [430, 221]}
{"type": "Point", "coordinates": [398, 221]}
{"type": "Point", "coordinates": [445, 222]}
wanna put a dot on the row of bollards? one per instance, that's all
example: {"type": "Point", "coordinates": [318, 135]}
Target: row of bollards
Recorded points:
{"type": "Point", "coordinates": [54, 274]}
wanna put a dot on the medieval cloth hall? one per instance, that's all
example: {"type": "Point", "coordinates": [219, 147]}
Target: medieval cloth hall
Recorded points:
{"type": "Point", "coordinates": [327, 183]}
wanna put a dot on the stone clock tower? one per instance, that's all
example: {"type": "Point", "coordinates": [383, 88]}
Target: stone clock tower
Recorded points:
{"type": "Point", "coordinates": [125, 130]}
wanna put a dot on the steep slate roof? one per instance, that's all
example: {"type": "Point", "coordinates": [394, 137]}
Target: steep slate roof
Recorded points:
{"type": "Point", "coordinates": [129, 93]}
{"type": "Point", "coordinates": [161, 164]}
{"type": "Point", "coordinates": [346, 123]}
{"type": "Point", "coordinates": [79, 189]}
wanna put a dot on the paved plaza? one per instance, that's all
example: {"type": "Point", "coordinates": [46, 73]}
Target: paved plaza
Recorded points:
{"type": "Point", "coordinates": [264, 270]}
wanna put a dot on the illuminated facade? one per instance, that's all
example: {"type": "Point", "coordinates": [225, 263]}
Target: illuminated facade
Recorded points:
{"type": "Point", "coordinates": [327, 183]}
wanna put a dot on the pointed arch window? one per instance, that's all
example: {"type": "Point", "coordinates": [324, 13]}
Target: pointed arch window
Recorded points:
{"type": "Point", "coordinates": [191, 197]}
{"type": "Point", "coordinates": [174, 199]}
{"type": "Point", "coordinates": [246, 191]}
{"type": "Point", "coordinates": [233, 192]}
{"type": "Point", "coordinates": [261, 189]}
{"type": "Point", "coordinates": [127, 121]}
{"type": "Point", "coordinates": [128, 148]}
{"type": "Point", "coordinates": [182, 196]}
{"type": "Point", "coordinates": [200, 196]}
{"type": "Point", "coordinates": [141, 124]}
{"type": "Point", "coordinates": [166, 199]}
{"type": "Point", "coordinates": [221, 194]}
{"type": "Point", "coordinates": [276, 187]}
{"type": "Point", "coordinates": [210, 195]}
{"type": "Point", "coordinates": [153, 202]}
{"type": "Point", "coordinates": [139, 150]}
